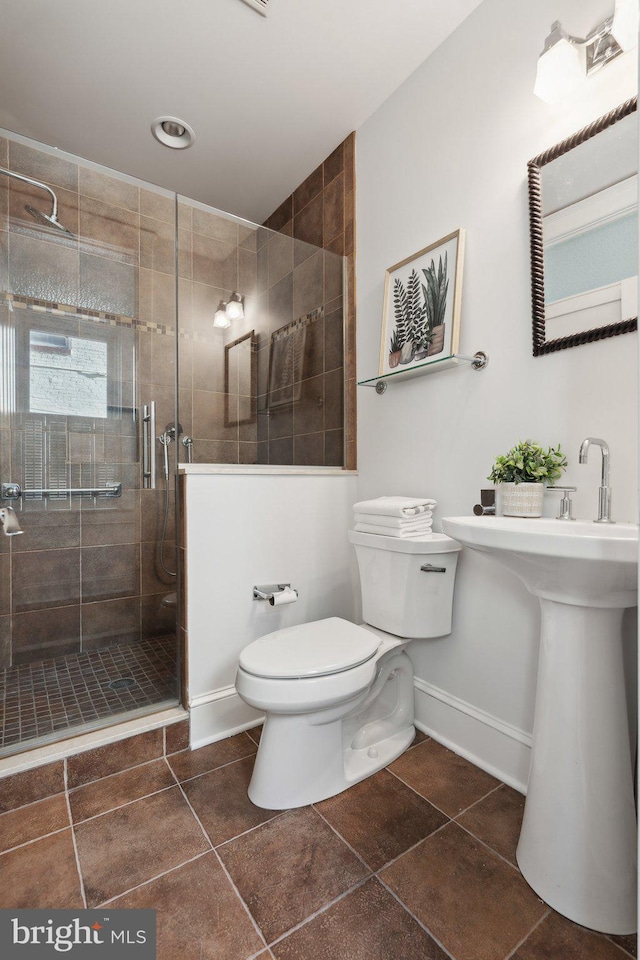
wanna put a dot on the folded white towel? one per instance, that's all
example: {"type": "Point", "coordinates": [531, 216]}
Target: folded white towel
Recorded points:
{"type": "Point", "coordinates": [394, 506]}
{"type": "Point", "coordinates": [396, 523]}
{"type": "Point", "coordinates": [390, 532]}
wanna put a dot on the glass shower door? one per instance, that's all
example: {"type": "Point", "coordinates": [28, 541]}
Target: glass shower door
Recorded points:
{"type": "Point", "coordinates": [87, 614]}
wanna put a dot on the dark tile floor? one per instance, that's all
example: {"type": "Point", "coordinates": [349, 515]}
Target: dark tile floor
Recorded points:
{"type": "Point", "coordinates": [415, 863]}
{"type": "Point", "coordinates": [51, 696]}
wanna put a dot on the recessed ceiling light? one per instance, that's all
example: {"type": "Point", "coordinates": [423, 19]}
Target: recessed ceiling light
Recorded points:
{"type": "Point", "coordinates": [173, 132]}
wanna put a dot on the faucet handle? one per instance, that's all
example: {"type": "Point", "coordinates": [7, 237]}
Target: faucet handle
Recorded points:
{"type": "Point", "coordinates": [566, 505]}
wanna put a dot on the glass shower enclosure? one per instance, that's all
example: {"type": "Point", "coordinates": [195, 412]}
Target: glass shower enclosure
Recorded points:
{"type": "Point", "coordinates": [113, 368]}
{"type": "Point", "coordinates": [88, 588]}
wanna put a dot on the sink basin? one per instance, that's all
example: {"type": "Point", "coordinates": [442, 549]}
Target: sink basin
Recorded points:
{"type": "Point", "coordinates": [577, 847]}
{"type": "Point", "coordinates": [579, 562]}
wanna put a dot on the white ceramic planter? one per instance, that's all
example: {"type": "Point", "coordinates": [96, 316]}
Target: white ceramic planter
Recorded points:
{"type": "Point", "coordinates": [522, 499]}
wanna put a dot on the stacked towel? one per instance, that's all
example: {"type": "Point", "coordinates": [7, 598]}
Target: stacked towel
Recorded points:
{"type": "Point", "coordinates": [404, 517]}
{"type": "Point", "coordinates": [395, 506]}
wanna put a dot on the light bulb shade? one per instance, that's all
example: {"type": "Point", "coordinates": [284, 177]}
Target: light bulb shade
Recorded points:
{"type": "Point", "coordinates": [221, 319]}
{"type": "Point", "coordinates": [560, 71]}
{"type": "Point", "coordinates": [625, 24]}
{"type": "Point", "coordinates": [235, 307]}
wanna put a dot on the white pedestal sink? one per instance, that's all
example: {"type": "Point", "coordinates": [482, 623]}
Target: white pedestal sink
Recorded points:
{"type": "Point", "coordinates": [577, 847]}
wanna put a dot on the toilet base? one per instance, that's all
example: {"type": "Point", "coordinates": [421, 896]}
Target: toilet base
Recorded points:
{"type": "Point", "coordinates": [319, 780]}
{"type": "Point", "coordinates": [305, 758]}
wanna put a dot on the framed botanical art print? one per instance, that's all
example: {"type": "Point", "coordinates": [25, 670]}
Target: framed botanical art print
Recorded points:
{"type": "Point", "coordinates": [422, 305]}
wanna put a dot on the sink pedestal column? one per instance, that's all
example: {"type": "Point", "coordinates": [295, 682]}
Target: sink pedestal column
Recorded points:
{"type": "Point", "coordinates": [577, 847]}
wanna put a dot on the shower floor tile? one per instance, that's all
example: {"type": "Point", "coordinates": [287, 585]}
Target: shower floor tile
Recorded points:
{"type": "Point", "coordinates": [48, 697]}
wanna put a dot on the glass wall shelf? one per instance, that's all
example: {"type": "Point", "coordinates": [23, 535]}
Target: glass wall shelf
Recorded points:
{"type": "Point", "coordinates": [478, 362]}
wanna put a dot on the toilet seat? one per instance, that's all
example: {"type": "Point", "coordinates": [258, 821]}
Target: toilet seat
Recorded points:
{"type": "Point", "coordinates": [316, 649]}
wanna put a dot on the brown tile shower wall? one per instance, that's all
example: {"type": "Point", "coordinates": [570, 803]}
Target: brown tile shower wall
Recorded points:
{"type": "Point", "coordinates": [288, 278]}
{"type": "Point", "coordinates": [322, 211]}
{"type": "Point", "coordinates": [85, 573]}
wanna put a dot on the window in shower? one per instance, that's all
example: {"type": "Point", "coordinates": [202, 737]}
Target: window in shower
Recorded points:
{"type": "Point", "coordinates": [67, 375]}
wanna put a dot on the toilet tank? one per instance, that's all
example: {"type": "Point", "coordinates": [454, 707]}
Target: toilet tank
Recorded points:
{"type": "Point", "coordinates": [407, 585]}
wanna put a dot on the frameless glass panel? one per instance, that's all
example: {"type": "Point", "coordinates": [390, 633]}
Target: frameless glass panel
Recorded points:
{"type": "Point", "coordinates": [285, 405]}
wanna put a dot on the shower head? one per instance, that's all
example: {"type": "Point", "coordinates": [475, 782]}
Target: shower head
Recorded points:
{"type": "Point", "coordinates": [50, 220]}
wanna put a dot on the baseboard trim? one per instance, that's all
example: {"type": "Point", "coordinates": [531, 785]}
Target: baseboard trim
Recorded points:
{"type": "Point", "coordinates": [499, 748]}
{"type": "Point", "coordinates": [218, 714]}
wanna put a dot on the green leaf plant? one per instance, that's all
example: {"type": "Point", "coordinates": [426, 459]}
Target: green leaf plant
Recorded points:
{"type": "Point", "coordinates": [528, 462]}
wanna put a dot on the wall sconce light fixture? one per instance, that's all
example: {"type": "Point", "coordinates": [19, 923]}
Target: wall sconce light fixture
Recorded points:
{"type": "Point", "coordinates": [221, 319]}
{"type": "Point", "coordinates": [566, 60]}
{"type": "Point", "coordinates": [228, 310]}
{"type": "Point", "coordinates": [235, 307]}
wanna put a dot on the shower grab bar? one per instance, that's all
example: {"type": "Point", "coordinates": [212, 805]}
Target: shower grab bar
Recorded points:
{"type": "Point", "coordinates": [109, 490]}
{"type": "Point", "coordinates": [149, 445]}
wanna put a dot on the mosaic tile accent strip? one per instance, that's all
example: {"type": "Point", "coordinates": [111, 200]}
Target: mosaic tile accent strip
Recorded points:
{"type": "Point", "coordinates": [19, 302]}
{"type": "Point", "coordinates": [40, 699]}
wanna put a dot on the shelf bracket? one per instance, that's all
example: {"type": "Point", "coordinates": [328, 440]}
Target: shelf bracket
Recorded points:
{"type": "Point", "coordinates": [478, 361]}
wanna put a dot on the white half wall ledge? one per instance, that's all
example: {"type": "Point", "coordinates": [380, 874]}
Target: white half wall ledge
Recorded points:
{"type": "Point", "coordinates": [498, 748]}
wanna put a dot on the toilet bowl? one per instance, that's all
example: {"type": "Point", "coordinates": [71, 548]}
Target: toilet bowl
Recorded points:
{"type": "Point", "coordinates": [338, 697]}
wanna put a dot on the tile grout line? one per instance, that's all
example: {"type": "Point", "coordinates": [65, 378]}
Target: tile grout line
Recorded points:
{"type": "Point", "coordinates": [514, 866]}
{"type": "Point", "coordinates": [146, 883]}
{"type": "Point", "coordinates": [197, 776]}
{"type": "Point", "coordinates": [422, 925]}
{"type": "Point", "coordinates": [321, 910]}
{"type": "Point", "coordinates": [413, 846]}
{"type": "Point", "coordinates": [624, 950]}
{"type": "Point", "coordinates": [29, 843]}
{"type": "Point", "coordinates": [460, 812]}
{"type": "Point", "coordinates": [527, 935]}
{"type": "Point", "coordinates": [242, 902]}
{"type": "Point", "coordinates": [32, 803]}
{"type": "Point", "coordinates": [127, 803]}
{"type": "Point", "coordinates": [276, 816]}
{"type": "Point", "coordinates": [346, 842]}
{"type": "Point", "coordinates": [195, 815]}
{"type": "Point", "coordinates": [73, 835]}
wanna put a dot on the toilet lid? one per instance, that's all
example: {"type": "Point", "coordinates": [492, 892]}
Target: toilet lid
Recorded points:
{"type": "Point", "coordinates": [309, 650]}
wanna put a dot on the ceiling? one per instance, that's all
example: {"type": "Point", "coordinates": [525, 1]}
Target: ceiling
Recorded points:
{"type": "Point", "coordinates": [268, 97]}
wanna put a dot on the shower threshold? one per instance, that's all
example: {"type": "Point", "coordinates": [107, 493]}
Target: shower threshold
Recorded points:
{"type": "Point", "coordinates": [66, 696]}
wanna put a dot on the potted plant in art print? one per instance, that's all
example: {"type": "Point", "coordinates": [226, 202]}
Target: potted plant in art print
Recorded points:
{"type": "Point", "coordinates": [522, 473]}
{"type": "Point", "coordinates": [422, 302]}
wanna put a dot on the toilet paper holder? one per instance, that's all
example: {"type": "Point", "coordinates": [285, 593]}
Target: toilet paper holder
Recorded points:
{"type": "Point", "coordinates": [268, 591]}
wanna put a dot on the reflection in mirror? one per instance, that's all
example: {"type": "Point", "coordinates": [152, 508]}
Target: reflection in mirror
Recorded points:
{"type": "Point", "coordinates": [240, 381]}
{"type": "Point", "coordinates": [584, 234]}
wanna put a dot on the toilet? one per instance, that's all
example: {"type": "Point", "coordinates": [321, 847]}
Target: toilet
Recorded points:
{"type": "Point", "coordinates": [338, 697]}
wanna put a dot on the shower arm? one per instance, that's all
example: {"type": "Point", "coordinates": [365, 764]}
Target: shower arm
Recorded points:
{"type": "Point", "coordinates": [35, 183]}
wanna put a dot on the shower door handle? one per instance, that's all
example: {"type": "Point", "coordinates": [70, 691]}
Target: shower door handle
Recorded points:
{"type": "Point", "coordinates": [149, 445]}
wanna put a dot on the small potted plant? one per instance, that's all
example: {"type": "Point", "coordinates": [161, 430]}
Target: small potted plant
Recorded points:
{"type": "Point", "coordinates": [395, 347]}
{"type": "Point", "coordinates": [522, 474]}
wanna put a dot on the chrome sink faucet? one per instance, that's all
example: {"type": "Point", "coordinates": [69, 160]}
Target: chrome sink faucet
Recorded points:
{"type": "Point", "coordinates": [604, 491]}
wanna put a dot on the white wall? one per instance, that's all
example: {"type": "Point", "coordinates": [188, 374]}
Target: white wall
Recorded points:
{"type": "Point", "coordinates": [449, 149]}
{"type": "Point", "coordinates": [270, 525]}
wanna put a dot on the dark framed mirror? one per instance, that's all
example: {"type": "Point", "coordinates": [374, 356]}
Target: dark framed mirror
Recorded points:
{"type": "Point", "coordinates": [583, 214]}
{"type": "Point", "coordinates": [240, 381]}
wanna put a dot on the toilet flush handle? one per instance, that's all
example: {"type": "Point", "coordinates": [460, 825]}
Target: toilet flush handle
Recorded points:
{"type": "Point", "coordinates": [429, 568]}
